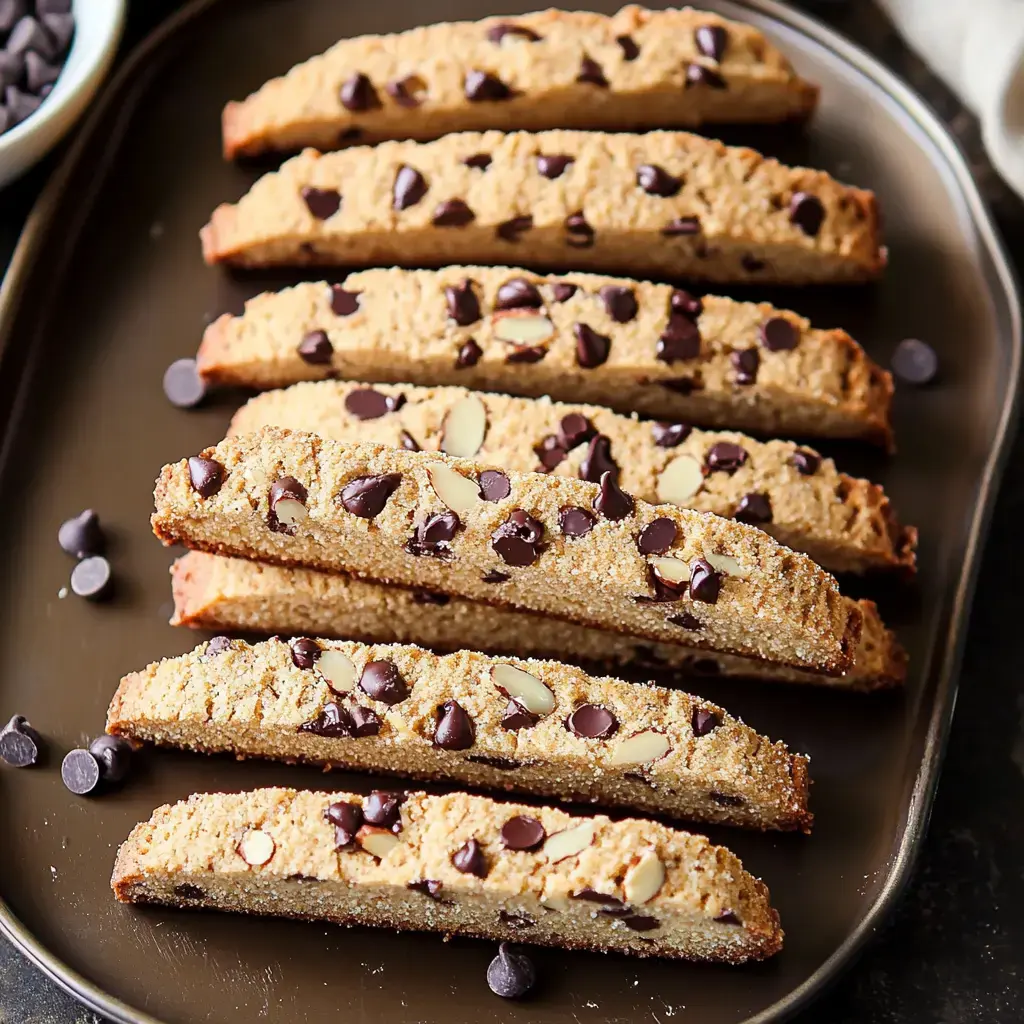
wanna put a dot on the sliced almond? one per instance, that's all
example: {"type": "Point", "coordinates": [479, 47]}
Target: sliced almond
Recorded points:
{"type": "Point", "coordinates": [290, 511]}
{"type": "Point", "coordinates": [680, 480]}
{"type": "Point", "coordinates": [377, 841]}
{"type": "Point", "coordinates": [256, 847]}
{"type": "Point", "coordinates": [672, 570]}
{"type": "Point", "coordinates": [644, 879]}
{"type": "Point", "coordinates": [526, 690]}
{"type": "Point", "coordinates": [337, 669]}
{"type": "Point", "coordinates": [726, 565]}
{"type": "Point", "coordinates": [458, 492]}
{"type": "Point", "coordinates": [641, 748]}
{"type": "Point", "coordinates": [464, 428]}
{"type": "Point", "coordinates": [569, 842]}
{"type": "Point", "coordinates": [523, 327]}
{"type": "Point", "coordinates": [555, 901]}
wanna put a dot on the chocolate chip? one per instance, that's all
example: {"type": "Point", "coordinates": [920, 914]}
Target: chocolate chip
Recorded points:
{"type": "Point", "coordinates": [687, 621]}
{"type": "Point", "coordinates": [434, 535]}
{"type": "Point", "coordinates": [218, 645]}
{"type": "Point", "coordinates": [705, 583]}
{"type": "Point", "coordinates": [429, 887]}
{"type": "Point", "coordinates": [711, 41]}
{"type": "Point", "coordinates": [550, 452]}
{"type": "Point", "coordinates": [592, 349]}
{"type": "Point", "coordinates": [469, 355]}
{"type": "Point", "coordinates": [481, 161]}
{"type": "Point", "coordinates": [82, 535]}
{"type": "Point", "coordinates": [332, 722]}
{"type": "Point", "coordinates": [114, 756]}
{"type": "Point", "coordinates": [592, 722]}
{"type": "Point", "coordinates": [805, 461]}
{"type": "Point", "coordinates": [613, 502]}
{"type": "Point", "coordinates": [463, 305]}
{"type": "Point", "coordinates": [598, 460]}
{"type": "Point", "coordinates": [12, 65]}
{"type": "Point", "coordinates": [685, 303]}
{"type": "Point", "coordinates": [186, 891]}
{"type": "Point", "coordinates": [574, 521]}
{"type": "Point", "coordinates": [410, 187]}
{"type": "Point", "coordinates": [10, 12]}
{"type": "Point", "coordinates": [406, 92]}
{"type": "Point", "coordinates": [429, 597]}
{"type": "Point", "coordinates": [619, 302]}
{"type": "Point", "coordinates": [526, 354]}
{"type": "Point", "coordinates": [682, 226]}
{"type": "Point", "coordinates": [343, 303]}
{"type": "Point", "coordinates": [518, 539]}
{"type": "Point", "coordinates": [703, 721]}
{"type": "Point", "coordinates": [728, 917]}
{"type": "Point", "coordinates": [630, 51]}
{"type": "Point", "coordinates": [510, 974]}
{"type": "Point", "coordinates": [384, 809]}
{"type": "Point", "coordinates": [364, 722]}
{"type": "Point", "coordinates": [518, 293]}
{"type": "Point", "coordinates": [496, 33]}
{"type": "Point", "coordinates": [754, 508]}
{"type": "Point", "coordinates": [641, 922]}
{"type": "Point", "coordinates": [182, 384]}
{"type": "Point", "coordinates": [746, 363]}
{"type": "Point", "coordinates": [368, 404]}
{"type": "Point", "coordinates": [408, 442]}
{"type": "Point", "coordinates": [750, 263]}
{"type": "Point", "coordinates": [679, 341]}
{"type": "Point", "coordinates": [80, 772]}
{"type": "Point", "coordinates": [778, 334]}
{"type": "Point", "coordinates": [806, 212]}
{"type": "Point", "coordinates": [494, 485]}
{"type": "Point", "coordinates": [305, 652]}
{"type": "Point", "coordinates": [914, 361]}
{"type": "Point", "coordinates": [20, 744]}
{"type": "Point", "coordinates": [582, 234]}
{"type": "Point", "coordinates": [453, 213]}
{"type": "Point", "coordinates": [573, 429]}
{"type": "Point", "coordinates": [657, 537]}
{"type": "Point", "coordinates": [510, 230]}
{"type": "Point", "coordinates": [316, 348]}
{"type": "Point", "coordinates": [91, 578]}
{"type": "Point", "coordinates": [725, 457]}
{"type": "Point", "coordinates": [321, 202]}
{"type": "Point", "coordinates": [603, 898]}
{"type": "Point", "coordinates": [382, 681]}
{"type": "Point", "coordinates": [522, 833]}
{"type": "Point", "coordinates": [455, 729]}
{"type": "Point", "coordinates": [669, 435]}
{"type": "Point", "coordinates": [286, 489]}
{"type": "Point", "coordinates": [590, 72]}
{"type": "Point", "coordinates": [347, 819]}
{"type": "Point", "coordinates": [469, 859]}
{"type": "Point", "coordinates": [366, 496]}
{"type": "Point", "coordinates": [483, 86]}
{"type": "Point", "coordinates": [656, 181]}
{"type": "Point", "coordinates": [562, 291]}
{"type": "Point", "coordinates": [726, 799]}
{"type": "Point", "coordinates": [697, 74]}
{"type": "Point", "coordinates": [681, 385]}
{"type": "Point", "coordinates": [19, 105]}
{"type": "Point", "coordinates": [358, 93]}
{"type": "Point", "coordinates": [29, 34]}
{"type": "Point", "coordinates": [553, 166]}
{"type": "Point", "coordinates": [494, 576]}
{"type": "Point", "coordinates": [517, 921]}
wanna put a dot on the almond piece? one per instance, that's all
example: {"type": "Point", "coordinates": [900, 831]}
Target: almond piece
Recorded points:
{"type": "Point", "coordinates": [641, 748]}
{"type": "Point", "coordinates": [290, 511]}
{"type": "Point", "coordinates": [526, 690]}
{"type": "Point", "coordinates": [337, 669]}
{"type": "Point", "coordinates": [680, 480]}
{"type": "Point", "coordinates": [726, 565]}
{"type": "Point", "coordinates": [458, 492]}
{"type": "Point", "coordinates": [523, 327]}
{"type": "Point", "coordinates": [464, 428]}
{"type": "Point", "coordinates": [256, 847]}
{"type": "Point", "coordinates": [569, 842]}
{"type": "Point", "coordinates": [673, 571]}
{"type": "Point", "coordinates": [376, 841]}
{"type": "Point", "coordinates": [644, 879]}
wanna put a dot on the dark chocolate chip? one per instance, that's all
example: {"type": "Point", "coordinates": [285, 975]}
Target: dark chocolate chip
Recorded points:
{"type": "Point", "coordinates": [656, 181]}
{"type": "Point", "coordinates": [463, 305]}
{"type": "Point", "coordinates": [455, 729]}
{"type": "Point", "coordinates": [481, 161]}
{"type": "Point", "coordinates": [914, 361]}
{"type": "Point", "coordinates": [562, 291]}
{"type": "Point", "coordinates": [630, 51]}
{"type": "Point", "coordinates": [591, 73]}
{"type": "Point", "coordinates": [384, 809]}
{"type": "Point", "coordinates": [665, 590]}
{"type": "Point", "coordinates": [612, 501]}
{"type": "Point", "coordinates": [641, 922]}
{"type": "Point", "coordinates": [522, 833]}
{"type": "Point", "coordinates": [60, 25]}
{"type": "Point", "coordinates": [526, 354]}
{"type": "Point", "coordinates": [619, 302]}
{"type": "Point", "coordinates": [592, 349]}
{"type": "Point", "coordinates": [550, 451]}
{"type": "Point", "coordinates": [711, 41]}
{"type": "Point", "coordinates": [517, 921]}
{"type": "Point", "coordinates": [510, 974]}
{"type": "Point", "coordinates": [518, 539]}
{"type": "Point", "coordinates": [697, 74]}
{"type": "Point", "coordinates": [574, 521]}
{"type": "Point", "coordinates": [687, 621]}
{"type": "Point", "coordinates": [114, 755]}
{"type": "Point", "coordinates": [778, 334]}
{"type": "Point", "coordinates": [410, 187]}
{"type": "Point", "coordinates": [343, 303]}
{"type": "Point", "coordinates": [316, 349]}
{"type": "Point", "coordinates": [364, 722]}
{"type": "Point", "coordinates": [429, 887]}
{"type": "Point", "coordinates": [805, 461]}
{"type": "Point", "coordinates": [679, 341]}
{"type": "Point", "coordinates": [469, 355]}
{"type": "Point", "coordinates": [358, 93]}
{"type": "Point", "coordinates": [496, 33]}
{"type": "Point", "coordinates": [332, 722]}
{"type": "Point", "coordinates": [518, 293]}
{"type": "Point", "coordinates": [406, 92]}
{"type": "Point", "coordinates": [366, 496]}
{"type": "Point", "coordinates": [750, 263]}
{"type": "Point", "coordinates": [11, 11]}
{"type": "Point", "coordinates": [39, 72]}
{"type": "Point", "coordinates": [383, 682]}
{"type": "Point", "coordinates": [573, 429]}
{"type": "Point", "coordinates": [592, 722]}
{"type": "Point", "coordinates": [453, 213]}
{"type": "Point", "coordinates": [806, 212]}
{"type": "Point", "coordinates": [185, 891]}
{"type": "Point", "coordinates": [19, 105]}
{"type": "Point", "coordinates": [469, 859]}
{"type": "Point", "coordinates": [657, 537]}
{"type": "Point", "coordinates": [483, 86]}
{"type": "Point", "coordinates": [305, 652]}
{"type": "Point", "coordinates": [287, 488]}
{"type": "Point", "coordinates": [746, 363]}
{"type": "Point", "coordinates": [321, 202]}
{"type": "Point", "coordinates": [495, 576]}
{"type": "Point", "coordinates": [494, 485]}
{"type": "Point", "coordinates": [703, 721]}
{"type": "Point", "coordinates": [669, 435]}
{"type": "Point", "coordinates": [347, 819]}
{"type": "Point", "coordinates": [754, 508]}
{"type": "Point", "coordinates": [598, 460]}
{"type": "Point", "coordinates": [728, 917]}
{"type": "Point", "coordinates": [12, 65]}
{"type": "Point", "coordinates": [511, 230]}
{"type": "Point", "coordinates": [218, 645]}
{"type": "Point", "coordinates": [369, 404]}
{"type": "Point", "coordinates": [20, 744]}
{"type": "Point", "coordinates": [82, 536]}
{"type": "Point", "coordinates": [515, 716]}
{"type": "Point", "coordinates": [80, 772]}
{"type": "Point", "coordinates": [680, 385]}
{"type": "Point", "coordinates": [434, 535]}
{"type": "Point", "coordinates": [429, 597]}
{"type": "Point", "coordinates": [582, 234]}
{"type": "Point", "coordinates": [603, 898]}
{"type": "Point", "coordinates": [407, 441]}
{"type": "Point", "coordinates": [725, 457]}
{"type": "Point", "coordinates": [726, 799]}
{"type": "Point", "coordinates": [182, 384]}
{"type": "Point", "coordinates": [705, 582]}
{"type": "Point", "coordinates": [91, 578]}
{"type": "Point", "coordinates": [682, 226]}
{"type": "Point", "coordinates": [553, 166]}
{"type": "Point", "coordinates": [29, 34]}
{"type": "Point", "coordinates": [686, 304]}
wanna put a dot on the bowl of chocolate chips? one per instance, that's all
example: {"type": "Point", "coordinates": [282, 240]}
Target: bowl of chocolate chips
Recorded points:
{"type": "Point", "coordinates": [53, 56]}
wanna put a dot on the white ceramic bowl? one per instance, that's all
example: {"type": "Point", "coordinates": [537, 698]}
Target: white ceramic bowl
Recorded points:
{"type": "Point", "coordinates": [98, 25]}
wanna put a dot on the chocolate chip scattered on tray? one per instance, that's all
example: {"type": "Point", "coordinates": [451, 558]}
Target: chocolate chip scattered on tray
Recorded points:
{"type": "Point", "coordinates": [82, 535]}
{"type": "Point", "coordinates": [91, 578]}
{"type": "Point", "coordinates": [20, 744]}
{"type": "Point", "coordinates": [914, 362]}
{"type": "Point", "coordinates": [80, 772]}
{"type": "Point", "coordinates": [114, 756]}
{"type": "Point", "coordinates": [182, 384]}
{"type": "Point", "coordinates": [510, 974]}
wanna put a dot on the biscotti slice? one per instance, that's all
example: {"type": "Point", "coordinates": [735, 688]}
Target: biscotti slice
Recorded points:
{"type": "Point", "coordinates": [456, 864]}
{"type": "Point", "coordinates": [536, 727]}
{"type": "Point", "coordinates": [666, 203]}
{"type": "Point", "coordinates": [233, 595]}
{"type": "Point", "coordinates": [630, 345]}
{"type": "Point", "coordinates": [844, 524]}
{"type": "Point", "coordinates": [586, 552]}
{"type": "Point", "coordinates": [551, 69]}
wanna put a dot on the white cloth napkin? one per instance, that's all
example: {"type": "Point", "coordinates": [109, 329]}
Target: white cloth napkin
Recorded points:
{"type": "Point", "coordinates": [977, 47]}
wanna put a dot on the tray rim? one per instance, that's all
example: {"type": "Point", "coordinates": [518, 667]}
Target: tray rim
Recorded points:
{"type": "Point", "coordinates": [940, 720]}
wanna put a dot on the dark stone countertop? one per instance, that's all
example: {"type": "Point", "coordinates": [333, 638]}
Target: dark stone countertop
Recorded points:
{"type": "Point", "coordinates": [953, 951]}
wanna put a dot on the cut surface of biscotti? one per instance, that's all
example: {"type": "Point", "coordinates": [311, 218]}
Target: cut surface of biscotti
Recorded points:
{"type": "Point", "coordinates": [536, 727]}
{"type": "Point", "coordinates": [844, 524]}
{"type": "Point", "coordinates": [586, 552]}
{"type": "Point", "coordinates": [662, 203]}
{"type": "Point", "coordinates": [457, 864]}
{"type": "Point", "coordinates": [631, 345]}
{"type": "Point", "coordinates": [550, 69]}
{"type": "Point", "coordinates": [234, 595]}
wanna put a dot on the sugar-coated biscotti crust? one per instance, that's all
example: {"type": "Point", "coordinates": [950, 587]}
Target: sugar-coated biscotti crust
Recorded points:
{"type": "Point", "coordinates": [399, 327]}
{"type": "Point", "coordinates": [707, 907]}
{"type": "Point", "coordinates": [735, 216]}
{"type": "Point", "coordinates": [844, 524]}
{"type": "Point", "coordinates": [413, 85]}
{"type": "Point", "coordinates": [762, 600]}
{"type": "Point", "coordinates": [699, 763]}
{"type": "Point", "coordinates": [234, 595]}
